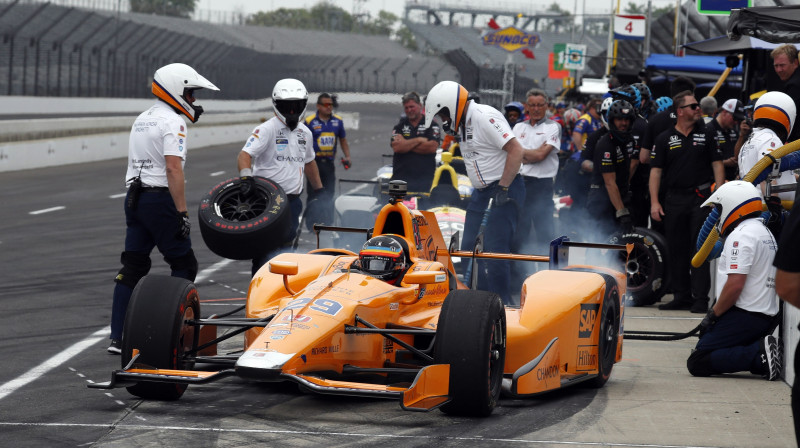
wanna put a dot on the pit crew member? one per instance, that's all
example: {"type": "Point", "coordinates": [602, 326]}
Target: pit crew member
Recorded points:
{"type": "Point", "coordinates": [689, 161]}
{"type": "Point", "coordinates": [737, 331]}
{"type": "Point", "coordinates": [493, 157]}
{"type": "Point", "coordinates": [281, 149]}
{"type": "Point", "coordinates": [155, 206]}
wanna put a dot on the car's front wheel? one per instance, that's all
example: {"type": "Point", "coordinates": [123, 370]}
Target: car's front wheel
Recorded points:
{"type": "Point", "coordinates": [471, 338]}
{"type": "Point", "coordinates": [156, 325]}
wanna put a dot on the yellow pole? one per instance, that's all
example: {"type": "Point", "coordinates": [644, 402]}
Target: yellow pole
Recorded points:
{"type": "Point", "coordinates": [721, 79]}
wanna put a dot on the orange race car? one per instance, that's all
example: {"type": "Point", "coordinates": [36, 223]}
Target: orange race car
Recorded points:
{"type": "Point", "coordinates": [328, 322]}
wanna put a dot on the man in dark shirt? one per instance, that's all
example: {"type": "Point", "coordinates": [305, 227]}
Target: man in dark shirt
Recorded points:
{"type": "Point", "coordinates": [657, 124]}
{"type": "Point", "coordinates": [686, 160]}
{"type": "Point", "coordinates": [725, 129]}
{"type": "Point", "coordinates": [785, 63]}
{"type": "Point", "coordinates": [414, 147]}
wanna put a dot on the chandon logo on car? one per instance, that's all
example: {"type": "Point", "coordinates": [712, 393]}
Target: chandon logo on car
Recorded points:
{"type": "Point", "coordinates": [547, 372]}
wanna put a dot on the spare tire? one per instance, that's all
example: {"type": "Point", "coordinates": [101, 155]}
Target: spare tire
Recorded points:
{"type": "Point", "coordinates": [242, 228]}
{"type": "Point", "coordinates": [647, 267]}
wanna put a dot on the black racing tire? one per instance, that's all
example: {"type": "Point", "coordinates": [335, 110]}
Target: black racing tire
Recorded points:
{"type": "Point", "coordinates": [155, 325]}
{"type": "Point", "coordinates": [471, 337]}
{"type": "Point", "coordinates": [607, 337]}
{"type": "Point", "coordinates": [242, 228]}
{"type": "Point", "coordinates": [647, 267]}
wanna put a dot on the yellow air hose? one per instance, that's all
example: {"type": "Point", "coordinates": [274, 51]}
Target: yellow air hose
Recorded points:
{"type": "Point", "coordinates": [763, 163]}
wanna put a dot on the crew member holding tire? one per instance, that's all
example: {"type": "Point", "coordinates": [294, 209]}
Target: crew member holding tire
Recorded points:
{"type": "Point", "coordinates": [155, 206]}
{"type": "Point", "coordinates": [493, 157]}
{"type": "Point", "coordinates": [736, 334]}
{"type": "Point", "coordinates": [281, 149]}
{"type": "Point", "coordinates": [688, 160]}
{"type": "Point", "coordinates": [615, 159]}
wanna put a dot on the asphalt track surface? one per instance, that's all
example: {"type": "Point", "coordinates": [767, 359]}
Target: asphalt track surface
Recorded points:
{"type": "Point", "coordinates": [61, 234]}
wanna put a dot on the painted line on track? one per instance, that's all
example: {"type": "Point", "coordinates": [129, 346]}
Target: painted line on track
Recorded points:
{"type": "Point", "coordinates": [432, 438]}
{"type": "Point", "coordinates": [65, 355]}
{"type": "Point", "coordinates": [57, 360]}
{"type": "Point", "coordinates": [47, 210]}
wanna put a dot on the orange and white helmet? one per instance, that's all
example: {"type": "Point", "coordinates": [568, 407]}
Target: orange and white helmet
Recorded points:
{"type": "Point", "coordinates": [172, 82]}
{"type": "Point", "coordinates": [775, 110]}
{"type": "Point", "coordinates": [447, 100]}
{"type": "Point", "coordinates": [736, 201]}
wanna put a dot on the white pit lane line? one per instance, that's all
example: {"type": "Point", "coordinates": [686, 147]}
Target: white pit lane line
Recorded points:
{"type": "Point", "coordinates": [47, 210]}
{"type": "Point", "coordinates": [62, 357]}
{"type": "Point", "coordinates": [352, 435]}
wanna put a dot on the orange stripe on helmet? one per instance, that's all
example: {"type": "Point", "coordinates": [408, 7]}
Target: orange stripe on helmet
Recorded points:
{"type": "Point", "coordinates": [159, 92]}
{"type": "Point", "coordinates": [774, 113]}
{"type": "Point", "coordinates": [751, 206]}
{"type": "Point", "coordinates": [461, 103]}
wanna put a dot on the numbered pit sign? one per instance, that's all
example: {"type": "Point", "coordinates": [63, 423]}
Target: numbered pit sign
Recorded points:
{"type": "Point", "coordinates": [575, 57]}
{"type": "Point", "coordinates": [629, 27]}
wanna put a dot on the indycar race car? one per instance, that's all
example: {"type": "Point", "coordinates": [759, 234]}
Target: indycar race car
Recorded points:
{"type": "Point", "coordinates": [323, 321]}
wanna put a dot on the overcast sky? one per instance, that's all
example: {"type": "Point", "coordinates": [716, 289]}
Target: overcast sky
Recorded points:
{"type": "Point", "coordinates": [397, 6]}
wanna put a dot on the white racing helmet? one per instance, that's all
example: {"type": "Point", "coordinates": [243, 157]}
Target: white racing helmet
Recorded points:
{"type": "Point", "coordinates": [775, 110]}
{"type": "Point", "coordinates": [172, 82]}
{"type": "Point", "coordinates": [289, 99]}
{"type": "Point", "coordinates": [604, 110]}
{"type": "Point", "coordinates": [736, 201]}
{"type": "Point", "coordinates": [448, 100]}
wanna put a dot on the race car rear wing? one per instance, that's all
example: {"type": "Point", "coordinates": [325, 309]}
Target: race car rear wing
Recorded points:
{"type": "Point", "coordinates": [558, 258]}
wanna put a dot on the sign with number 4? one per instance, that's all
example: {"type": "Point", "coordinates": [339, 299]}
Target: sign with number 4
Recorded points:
{"type": "Point", "coordinates": [628, 27]}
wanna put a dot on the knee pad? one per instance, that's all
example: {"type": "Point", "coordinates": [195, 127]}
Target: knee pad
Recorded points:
{"type": "Point", "coordinates": [699, 363]}
{"type": "Point", "coordinates": [185, 263]}
{"type": "Point", "coordinates": [134, 267]}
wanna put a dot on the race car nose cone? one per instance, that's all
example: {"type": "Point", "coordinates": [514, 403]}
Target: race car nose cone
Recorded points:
{"type": "Point", "coordinates": [263, 366]}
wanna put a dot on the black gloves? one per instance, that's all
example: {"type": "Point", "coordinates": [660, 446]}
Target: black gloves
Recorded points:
{"type": "Point", "coordinates": [184, 225]}
{"type": "Point", "coordinates": [501, 196]}
{"type": "Point", "coordinates": [708, 321]}
{"type": "Point", "coordinates": [247, 186]}
{"type": "Point", "coordinates": [623, 217]}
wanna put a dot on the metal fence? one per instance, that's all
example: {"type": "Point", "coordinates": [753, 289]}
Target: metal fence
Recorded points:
{"type": "Point", "coordinates": [52, 50]}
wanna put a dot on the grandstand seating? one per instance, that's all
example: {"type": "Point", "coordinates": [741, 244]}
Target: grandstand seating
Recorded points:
{"type": "Point", "coordinates": [57, 51]}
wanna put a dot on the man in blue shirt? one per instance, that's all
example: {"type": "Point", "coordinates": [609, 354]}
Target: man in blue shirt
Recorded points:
{"type": "Point", "coordinates": [328, 130]}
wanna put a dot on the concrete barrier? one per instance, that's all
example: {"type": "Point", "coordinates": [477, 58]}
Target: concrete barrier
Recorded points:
{"type": "Point", "coordinates": [100, 128]}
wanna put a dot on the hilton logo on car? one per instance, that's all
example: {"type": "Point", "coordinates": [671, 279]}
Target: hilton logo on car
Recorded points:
{"type": "Point", "coordinates": [588, 316]}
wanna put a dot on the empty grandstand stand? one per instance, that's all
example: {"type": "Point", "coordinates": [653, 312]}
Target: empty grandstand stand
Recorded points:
{"type": "Point", "coordinates": [52, 50]}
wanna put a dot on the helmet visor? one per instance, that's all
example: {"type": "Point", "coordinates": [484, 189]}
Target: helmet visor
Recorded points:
{"type": "Point", "coordinates": [290, 108]}
{"type": "Point", "coordinates": [377, 265]}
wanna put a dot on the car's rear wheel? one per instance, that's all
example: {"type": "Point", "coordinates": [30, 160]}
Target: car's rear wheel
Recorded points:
{"type": "Point", "coordinates": [646, 267]}
{"type": "Point", "coordinates": [471, 337]}
{"type": "Point", "coordinates": [608, 337]}
{"type": "Point", "coordinates": [155, 324]}
{"type": "Point", "coordinates": [242, 228]}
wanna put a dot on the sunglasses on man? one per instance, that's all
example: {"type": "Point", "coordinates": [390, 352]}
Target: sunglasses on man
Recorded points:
{"type": "Point", "coordinates": [694, 106]}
